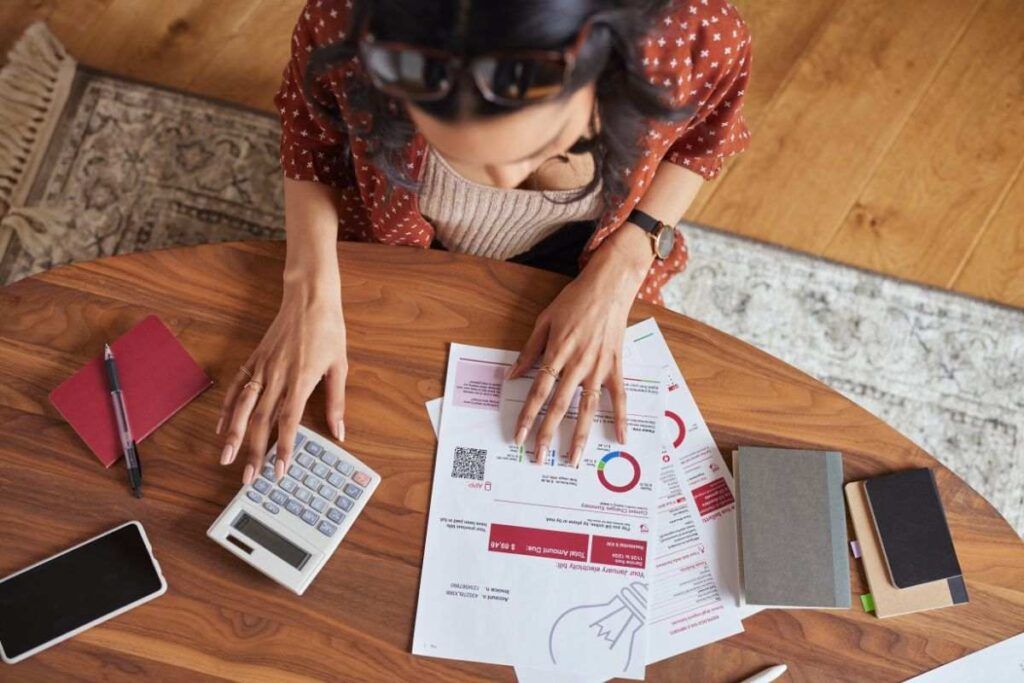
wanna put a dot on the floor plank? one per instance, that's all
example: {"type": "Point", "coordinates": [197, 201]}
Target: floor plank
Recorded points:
{"type": "Point", "coordinates": [172, 40]}
{"type": "Point", "coordinates": [995, 269]}
{"type": "Point", "coordinates": [248, 66]}
{"type": "Point", "coordinates": [782, 31]}
{"type": "Point", "coordinates": [824, 134]}
{"type": "Point", "coordinates": [928, 200]}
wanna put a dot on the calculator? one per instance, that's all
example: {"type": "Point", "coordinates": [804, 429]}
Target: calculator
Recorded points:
{"type": "Point", "coordinates": [288, 529]}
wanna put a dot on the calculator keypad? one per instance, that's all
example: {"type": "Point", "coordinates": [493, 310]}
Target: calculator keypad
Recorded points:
{"type": "Point", "coordinates": [319, 488]}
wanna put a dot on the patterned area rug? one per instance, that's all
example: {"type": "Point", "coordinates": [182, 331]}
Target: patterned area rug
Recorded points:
{"type": "Point", "coordinates": [92, 165]}
{"type": "Point", "coordinates": [945, 370]}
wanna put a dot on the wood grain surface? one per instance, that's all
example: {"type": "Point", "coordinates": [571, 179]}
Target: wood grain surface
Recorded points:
{"type": "Point", "coordinates": [222, 619]}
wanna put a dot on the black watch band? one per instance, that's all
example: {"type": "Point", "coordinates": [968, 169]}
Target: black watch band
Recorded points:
{"type": "Point", "coordinates": [646, 221]}
{"type": "Point", "coordinates": [662, 235]}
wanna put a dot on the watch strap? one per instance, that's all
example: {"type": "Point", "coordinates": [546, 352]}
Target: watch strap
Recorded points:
{"type": "Point", "coordinates": [646, 221]}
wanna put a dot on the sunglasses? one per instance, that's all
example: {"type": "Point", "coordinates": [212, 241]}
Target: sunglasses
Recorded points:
{"type": "Point", "coordinates": [508, 77]}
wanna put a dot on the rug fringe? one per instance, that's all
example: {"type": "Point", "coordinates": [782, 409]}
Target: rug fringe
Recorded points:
{"type": "Point", "coordinates": [33, 86]}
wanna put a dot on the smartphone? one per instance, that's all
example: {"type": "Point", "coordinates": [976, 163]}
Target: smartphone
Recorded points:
{"type": "Point", "coordinates": [77, 589]}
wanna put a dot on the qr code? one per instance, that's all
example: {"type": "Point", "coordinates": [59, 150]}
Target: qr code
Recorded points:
{"type": "Point", "coordinates": [469, 463]}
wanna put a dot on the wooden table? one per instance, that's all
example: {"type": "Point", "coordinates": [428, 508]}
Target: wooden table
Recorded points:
{"type": "Point", "coordinates": [222, 619]}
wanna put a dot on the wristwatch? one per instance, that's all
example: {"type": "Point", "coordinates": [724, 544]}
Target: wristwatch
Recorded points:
{"type": "Point", "coordinates": [662, 236]}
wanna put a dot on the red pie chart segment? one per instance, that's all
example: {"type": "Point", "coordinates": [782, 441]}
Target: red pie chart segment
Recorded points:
{"type": "Point", "coordinates": [681, 428]}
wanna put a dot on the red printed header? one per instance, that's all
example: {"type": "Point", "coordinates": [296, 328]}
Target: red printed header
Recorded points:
{"type": "Point", "coordinates": [712, 496]}
{"type": "Point", "coordinates": [619, 552]}
{"type": "Point", "coordinates": [520, 540]}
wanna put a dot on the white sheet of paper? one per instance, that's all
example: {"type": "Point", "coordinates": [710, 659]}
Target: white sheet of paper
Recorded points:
{"type": "Point", "coordinates": [695, 583]}
{"type": "Point", "coordinates": [693, 467]}
{"type": "Point", "coordinates": [999, 663]}
{"type": "Point", "coordinates": [538, 566]}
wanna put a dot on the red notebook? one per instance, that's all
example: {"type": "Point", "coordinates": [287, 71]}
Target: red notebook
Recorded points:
{"type": "Point", "coordinates": [158, 378]}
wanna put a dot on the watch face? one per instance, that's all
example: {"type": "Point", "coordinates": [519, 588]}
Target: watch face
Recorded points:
{"type": "Point", "coordinates": [666, 238]}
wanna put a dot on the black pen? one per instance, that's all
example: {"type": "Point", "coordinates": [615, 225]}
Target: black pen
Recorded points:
{"type": "Point", "coordinates": [124, 430]}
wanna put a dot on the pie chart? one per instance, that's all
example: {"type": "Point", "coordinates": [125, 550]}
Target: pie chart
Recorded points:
{"type": "Point", "coordinates": [620, 481]}
{"type": "Point", "coordinates": [680, 428]}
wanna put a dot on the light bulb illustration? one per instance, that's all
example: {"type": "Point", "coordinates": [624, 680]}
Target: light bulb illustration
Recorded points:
{"type": "Point", "coordinates": [600, 636]}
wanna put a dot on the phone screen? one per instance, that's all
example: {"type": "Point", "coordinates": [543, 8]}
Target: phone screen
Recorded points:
{"type": "Point", "coordinates": [75, 589]}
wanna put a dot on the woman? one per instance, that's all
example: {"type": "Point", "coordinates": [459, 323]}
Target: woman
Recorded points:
{"type": "Point", "coordinates": [563, 134]}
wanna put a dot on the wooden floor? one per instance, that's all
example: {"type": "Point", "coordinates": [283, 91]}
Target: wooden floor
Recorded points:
{"type": "Point", "coordinates": [888, 134]}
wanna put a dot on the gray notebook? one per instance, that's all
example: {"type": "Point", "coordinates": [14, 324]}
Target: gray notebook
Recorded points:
{"type": "Point", "coordinates": [792, 527]}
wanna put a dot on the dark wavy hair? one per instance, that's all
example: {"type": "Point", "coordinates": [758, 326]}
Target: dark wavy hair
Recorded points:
{"type": "Point", "coordinates": [610, 58]}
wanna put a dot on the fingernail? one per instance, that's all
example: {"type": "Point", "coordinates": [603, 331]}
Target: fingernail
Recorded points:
{"type": "Point", "coordinates": [577, 451]}
{"type": "Point", "coordinates": [341, 430]}
{"type": "Point", "coordinates": [542, 452]}
{"type": "Point", "coordinates": [248, 474]}
{"type": "Point", "coordinates": [520, 436]}
{"type": "Point", "coordinates": [279, 468]}
{"type": "Point", "coordinates": [220, 424]}
{"type": "Point", "coordinates": [620, 434]}
{"type": "Point", "coordinates": [227, 455]}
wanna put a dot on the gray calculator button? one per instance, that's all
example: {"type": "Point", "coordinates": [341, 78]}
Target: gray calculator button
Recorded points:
{"type": "Point", "coordinates": [305, 459]}
{"type": "Point", "coordinates": [328, 492]}
{"type": "Point", "coordinates": [293, 506]}
{"type": "Point", "coordinates": [299, 438]}
{"type": "Point", "coordinates": [288, 484]}
{"type": "Point", "coordinates": [353, 491]}
{"type": "Point", "coordinates": [312, 483]}
{"type": "Point", "coordinates": [318, 504]}
{"type": "Point", "coordinates": [296, 472]}
{"type": "Point", "coordinates": [254, 497]}
{"type": "Point", "coordinates": [314, 448]}
{"type": "Point", "coordinates": [326, 528]}
{"type": "Point", "coordinates": [335, 515]}
{"type": "Point", "coordinates": [310, 517]}
{"type": "Point", "coordinates": [344, 503]}
{"type": "Point", "coordinates": [278, 497]}
{"type": "Point", "coordinates": [262, 485]}
{"type": "Point", "coordinates": [345, 468]}
{"type": "Point", "coordinates": [272, 458]}
{"type": "Point", "coordinates": [304, 495]}
{"type": "Point", "coordinates": [268, 471]}
{"type": "Point", "coordinates": [329, 458]}
{"type": "Point", "coordinates": [271, 508]}
{"type": "Point", "coordinates": [321, 470]}
{"type": "Point", "coordinates": [335, 479]}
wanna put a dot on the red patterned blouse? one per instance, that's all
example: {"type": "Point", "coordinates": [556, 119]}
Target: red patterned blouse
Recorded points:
{"type": "Point", "coordinates": [698, 51]}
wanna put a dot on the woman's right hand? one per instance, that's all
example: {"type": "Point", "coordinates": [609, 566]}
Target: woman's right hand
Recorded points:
{"type": "Point", "coordinates": [304, 343]}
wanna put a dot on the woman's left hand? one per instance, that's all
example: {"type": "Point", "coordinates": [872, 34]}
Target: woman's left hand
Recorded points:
{"type": "Point", "coordinates": [579, 338]}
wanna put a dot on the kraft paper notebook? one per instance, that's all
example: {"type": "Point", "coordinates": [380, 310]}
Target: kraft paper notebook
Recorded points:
{"type": "Point", "coordinates": [889, 600]}
{"type": "Point", "coordinates": [158, 377]}
{"type": "Point", "coordinates": [792, 528]}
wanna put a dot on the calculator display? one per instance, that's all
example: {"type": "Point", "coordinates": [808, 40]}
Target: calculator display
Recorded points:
{"type": "Point", "coordinates": [271, 541]}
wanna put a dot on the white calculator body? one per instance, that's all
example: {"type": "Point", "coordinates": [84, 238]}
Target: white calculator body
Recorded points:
{"type": "Point", "coordinates": [288, 529]}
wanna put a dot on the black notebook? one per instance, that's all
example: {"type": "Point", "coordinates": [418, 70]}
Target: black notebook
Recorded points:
{"type": "Point", "coordinates": [912, 527]}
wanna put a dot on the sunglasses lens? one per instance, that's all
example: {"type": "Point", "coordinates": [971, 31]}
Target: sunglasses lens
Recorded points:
{"type": "Point", "coordinates": [406, 73]}
{"type": "Point", "coordinates": [520, 80]}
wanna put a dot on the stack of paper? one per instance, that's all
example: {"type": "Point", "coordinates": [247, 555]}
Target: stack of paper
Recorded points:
{"type": "Point", "coordinates": [576, 574]}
